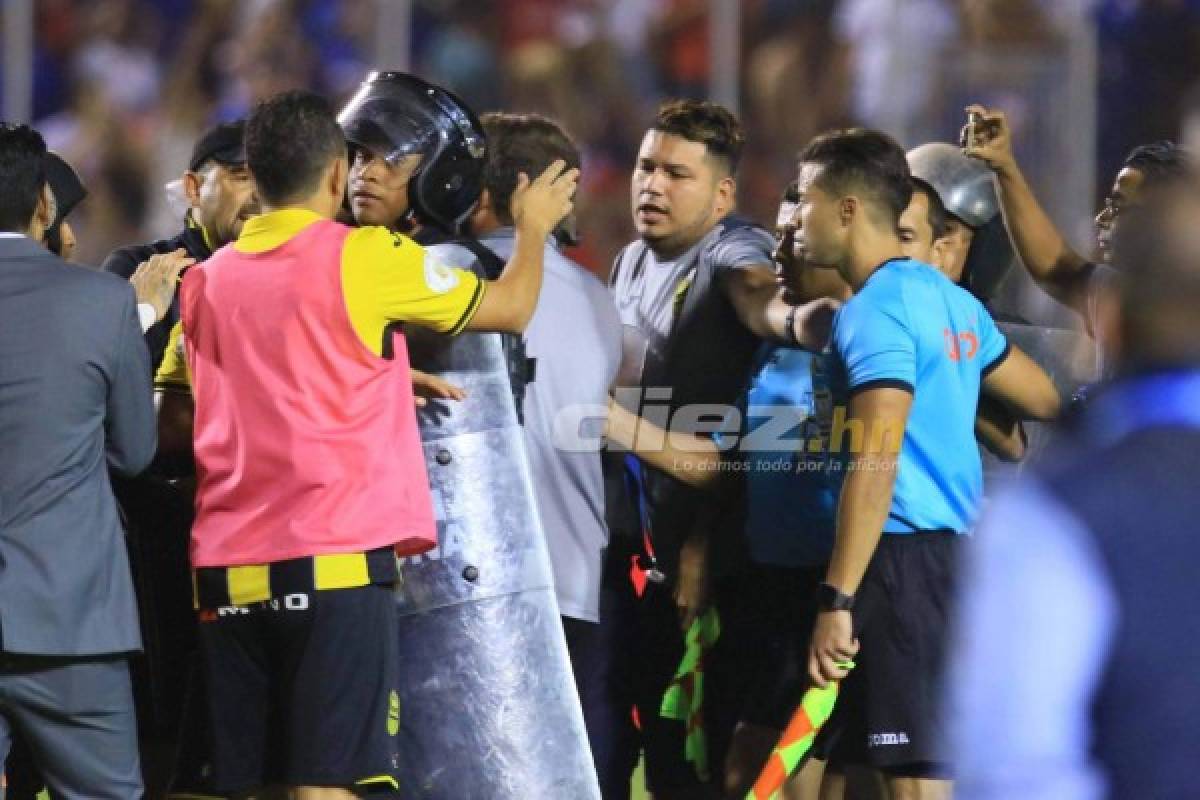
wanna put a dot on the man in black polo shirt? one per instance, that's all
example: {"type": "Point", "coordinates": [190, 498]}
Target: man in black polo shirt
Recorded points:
{"type": "Point", "coordinates": [220, 195]}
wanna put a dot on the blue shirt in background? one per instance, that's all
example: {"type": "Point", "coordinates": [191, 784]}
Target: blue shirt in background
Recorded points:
{"type": "Point", "coordinates": [791, 484]}
{"type": "Point", "coordinates": [910, 327]}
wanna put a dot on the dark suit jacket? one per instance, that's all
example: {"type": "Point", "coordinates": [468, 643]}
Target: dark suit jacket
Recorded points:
{"type": "Point", "coordinates": [75, 400]}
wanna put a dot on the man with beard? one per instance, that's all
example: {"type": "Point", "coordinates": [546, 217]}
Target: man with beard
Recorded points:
{"type": "Point", "coordinates": [220, 195]}
{"type": "Point", "coordinates": [695, 292]}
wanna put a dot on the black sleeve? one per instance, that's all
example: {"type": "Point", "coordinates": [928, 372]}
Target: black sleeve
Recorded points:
{"type": "Point", "coordinates": [124, 261]}
{"type": "Point", "coordinates": [998, 360]}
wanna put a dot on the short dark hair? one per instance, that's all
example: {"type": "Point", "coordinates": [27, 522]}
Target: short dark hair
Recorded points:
{"type": "Point", "coordinates": [864, 161]}
{"type": "Point", "coordinates": [937, 217]}
{"type": "Point", "coordinates": [712, 125]}
{"type": "Point", "coordinates": [1162, 161]}
{"type": "Point", "coordinates": [519, 143]}
{"type": "Point", "coordinates": [22, 174]}
{"type": "Point", "coordinates": [290, 140]}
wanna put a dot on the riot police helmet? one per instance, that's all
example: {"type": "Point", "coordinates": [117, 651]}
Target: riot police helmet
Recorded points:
{"type": "Point", "coordinates": [396, 114]}
{"type": "Point", "coordinates": [967, 191]}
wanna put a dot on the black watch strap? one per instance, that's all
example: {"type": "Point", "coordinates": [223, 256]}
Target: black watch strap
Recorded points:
{"type": "Point", "coordinates": [830, 598]}
{"type": "Point", "coordinates": [789, 326]}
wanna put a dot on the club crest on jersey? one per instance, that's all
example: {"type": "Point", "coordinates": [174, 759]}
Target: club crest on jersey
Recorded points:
{"type": "Point", "coordinates": [439, 277]}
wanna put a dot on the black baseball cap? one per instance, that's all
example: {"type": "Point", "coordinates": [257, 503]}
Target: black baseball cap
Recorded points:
{"type": "Point", "coordinates": [68, 191]}
{"type": "Point", "coordinates": [224, 143]}
{"type": "Point", "coordinates": [65, 183]}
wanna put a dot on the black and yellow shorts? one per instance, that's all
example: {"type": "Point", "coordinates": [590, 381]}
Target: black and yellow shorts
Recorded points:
{"type": "Point", "coordinates": [302, 690]}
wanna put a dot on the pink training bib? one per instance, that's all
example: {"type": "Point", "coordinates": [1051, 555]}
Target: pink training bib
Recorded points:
{"type": "Point", "coordinates": [305, 441]}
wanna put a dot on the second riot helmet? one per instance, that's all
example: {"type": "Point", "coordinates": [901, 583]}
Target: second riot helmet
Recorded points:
{"type": "Point", "coordinates": [965, 187]}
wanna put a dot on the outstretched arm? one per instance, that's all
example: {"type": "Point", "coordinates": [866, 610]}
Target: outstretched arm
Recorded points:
{"type": "Point", "coordinates": [759, 299]}
{"type": "Point", "coordinates": [686, 457]}
{"type": "Point", "coordinates": [1050, 260]}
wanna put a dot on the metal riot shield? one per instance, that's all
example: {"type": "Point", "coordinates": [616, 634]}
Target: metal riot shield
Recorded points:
{"type": "Point", "coordinates": [1070, 358]}
{"type": "Point", "coordinates": [489, 707]}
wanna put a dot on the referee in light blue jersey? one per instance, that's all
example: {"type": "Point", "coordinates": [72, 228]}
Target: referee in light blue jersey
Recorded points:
{"type": "Point", "coordinates": [911, 353]}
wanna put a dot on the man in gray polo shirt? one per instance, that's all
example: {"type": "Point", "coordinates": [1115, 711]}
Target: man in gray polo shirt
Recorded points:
{"type": "Point", "coordinates": [697, 292]}
{"type": "Point", "coordinates": [574, 339]}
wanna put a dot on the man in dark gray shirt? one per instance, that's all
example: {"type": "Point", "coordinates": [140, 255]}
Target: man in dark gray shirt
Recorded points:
{"type": "Point", "coordinates": [695, 292]}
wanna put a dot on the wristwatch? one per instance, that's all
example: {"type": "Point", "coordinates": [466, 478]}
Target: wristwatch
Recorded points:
{"type": "Point", "coordinates": [830, 598]}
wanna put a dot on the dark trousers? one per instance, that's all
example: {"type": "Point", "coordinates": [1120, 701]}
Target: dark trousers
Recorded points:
{"type": "Point", "coordinates": [77, 717]}
{"type": "Point", "coordinates": [639, 645]}
{"type": "Point", "coordinates": [591, 664]}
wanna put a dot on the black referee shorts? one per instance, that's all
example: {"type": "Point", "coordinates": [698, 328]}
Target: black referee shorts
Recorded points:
{"type": "Point", "coordinates": [302, 690]}
{"type": "Point", "coordinates": [889, 711]}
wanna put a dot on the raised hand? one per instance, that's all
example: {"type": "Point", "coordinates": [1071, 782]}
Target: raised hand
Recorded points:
{"type": "Point", "coordinates": [538, 207]}
{"type": "Point", "coordinates": [986, 136]}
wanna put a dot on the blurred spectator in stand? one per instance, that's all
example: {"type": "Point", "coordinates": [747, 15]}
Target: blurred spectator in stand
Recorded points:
{"type": "Point", "coordinates": [796, 77]}
{"type": "Point", "coordinates": [190, 91]}
{"type": "Point", "coordinates": [797, 83]}
{"type": "Point", "coordinates": [342, 33]}
{"type": "Point", "coordinates": [268, 54]}
{"type": "Point", "coordinates": [888, 38]}
{"type": "Point", "coordinates": [118, 57]}
{"type": "Point", "coordinates": [679, 40]}
{"type": "Point", "coordinates": [1005, 22]}
{"type": "Point", "coordinates": [461, 54]}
